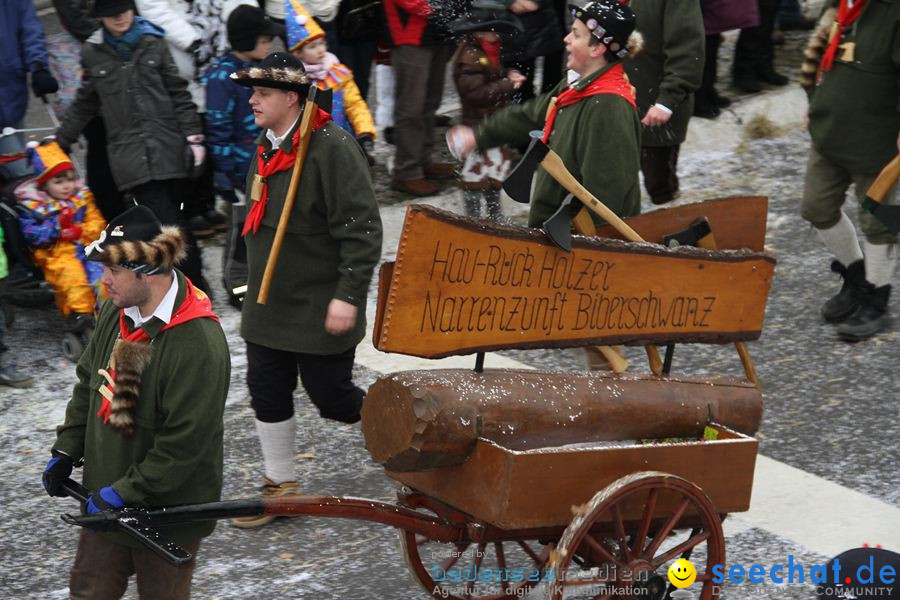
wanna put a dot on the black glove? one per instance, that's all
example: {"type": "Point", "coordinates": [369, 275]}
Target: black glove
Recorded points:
{"type": "Point", "coordinates": [42, 81]}
{"type": "Point", "coordinates": [57, 470]}
{"type": "Point", "coordinates": [368, 147]}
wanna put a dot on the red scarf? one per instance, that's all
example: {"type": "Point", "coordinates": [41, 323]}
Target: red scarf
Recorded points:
{"type": "Point", "coordinates": [492, 50]}
{"type": "Point", "coordinates": [613, 81]}
{"type": "Point", "coordinates": [280, 161]}
{"type": "Point", "coordinates": [846, 17]}
{"type": "Point", "coordinates": [196, 305]}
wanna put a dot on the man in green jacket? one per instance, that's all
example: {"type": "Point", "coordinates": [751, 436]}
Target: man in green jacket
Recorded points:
{"type": "Point", "coordinates": [854, 123]}
{"type": "Point", "coordinates": [145, 418]}
{"type": "Point", "coordinates": [315, 312]}
{"type": "Point", "coordinates": [591, 122]}
{"type": "Point", "coordinates": [665, 74]}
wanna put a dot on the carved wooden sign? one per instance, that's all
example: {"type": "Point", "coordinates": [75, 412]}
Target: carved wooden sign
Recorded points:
{"type": "Point", "coordinates": [461, 285]}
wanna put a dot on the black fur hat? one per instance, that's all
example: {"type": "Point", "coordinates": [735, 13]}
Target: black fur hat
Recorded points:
{"type": "Point", "coordinates": [136, 240]}
{"type": "Point", "coordinates": [278, 70]}
{"type": "Point", "coordinates": [610, 21]}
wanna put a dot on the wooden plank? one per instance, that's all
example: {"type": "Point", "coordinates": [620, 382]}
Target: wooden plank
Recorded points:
{"type": "Point", "coordinates": [461, 286]}
{"type": "Point", "coordinates": [739, 221]}
{"type": "Point", "coordinates": [537, 488]}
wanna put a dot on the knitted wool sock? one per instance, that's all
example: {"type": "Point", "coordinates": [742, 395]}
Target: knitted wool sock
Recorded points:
{"type": "Point", "coordinates": [880, 262]}
{"type": "Point", "coordinates": [842, 241]}
{"type": "Point", "coordinates": [277, 441]}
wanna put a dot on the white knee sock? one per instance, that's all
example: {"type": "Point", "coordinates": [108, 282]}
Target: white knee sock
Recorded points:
{"type": "Point", "coordinates": [277, 441]}
{"type": "Point", "coordinates": [842, 241]}
{"type": "Point", "coordinates": [880, 262]}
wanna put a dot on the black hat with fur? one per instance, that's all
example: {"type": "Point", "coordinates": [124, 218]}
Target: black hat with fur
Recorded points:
{"type": "Point", "coordinates": [137, 241]}
{"type": "Point", "coordinates": [278, 70]}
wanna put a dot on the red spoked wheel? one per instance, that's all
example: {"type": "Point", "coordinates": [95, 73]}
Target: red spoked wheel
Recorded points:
{"type": "Point", "coordinates": [622, 543]}
{"type": "Point", "coordinates": [497, 570]}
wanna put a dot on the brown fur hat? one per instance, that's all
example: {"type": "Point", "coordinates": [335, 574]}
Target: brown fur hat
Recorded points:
{"type": "Point", "coordinates": [136, 240]}
{"type": "Point", "coordinates": [815, 48]}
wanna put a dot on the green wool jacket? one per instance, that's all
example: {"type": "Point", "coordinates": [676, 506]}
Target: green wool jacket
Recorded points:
{"type": "Point", "coordinates": [597, 138]}
{"type": "Point", "coordinates": [174, 455]}
{"type": "Point", "coordinates": [331, 247]}
{"type": "Point", "coordinates": [669, 67]}
{"type": "Point", "coordinates": [854, 112]}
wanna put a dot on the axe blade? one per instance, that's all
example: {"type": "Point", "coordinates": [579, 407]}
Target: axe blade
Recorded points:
{"type": "Point", "coordinates": [889, 215]}
{"type": "Point", "coordinates": [559, 226]}
{"type": "Point", "coordinates": [518, 183]}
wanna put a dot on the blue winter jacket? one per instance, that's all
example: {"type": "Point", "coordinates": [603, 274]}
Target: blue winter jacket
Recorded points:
{"type": "Point", "coordinates": [230, 130]}
{"type": "Point", "coordinates": [21, 46]}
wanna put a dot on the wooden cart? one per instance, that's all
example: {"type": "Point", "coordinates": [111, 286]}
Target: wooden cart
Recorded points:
{"type": "Point", "coordinates": [600, 519]}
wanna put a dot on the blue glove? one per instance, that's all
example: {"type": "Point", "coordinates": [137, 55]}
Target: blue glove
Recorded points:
{"type": "Point", "coordinates": [57, 470]}
{"type": "Point", "coordinates": [109, 499]}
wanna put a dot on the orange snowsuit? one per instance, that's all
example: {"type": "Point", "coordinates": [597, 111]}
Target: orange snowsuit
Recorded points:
{"type": "Point", "coordinates": [75, 280]}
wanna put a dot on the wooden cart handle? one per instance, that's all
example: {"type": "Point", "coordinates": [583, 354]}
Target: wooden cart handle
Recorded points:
{"type": "Point", "coordinates": [309, 111]}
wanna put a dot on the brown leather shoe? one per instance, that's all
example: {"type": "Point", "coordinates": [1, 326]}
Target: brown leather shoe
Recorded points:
{"type": "Point", "coordinates": [416, 187]}
{"type": "Point", "coordinates": [270, 490]}
{"type": "Point", "coordinates": [440, 171]}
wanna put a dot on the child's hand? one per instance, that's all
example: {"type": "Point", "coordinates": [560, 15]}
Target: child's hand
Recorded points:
{"type": "Point", "coordinates": [461, 141]}
{"type": "Point", "coordinates": [516, 78]}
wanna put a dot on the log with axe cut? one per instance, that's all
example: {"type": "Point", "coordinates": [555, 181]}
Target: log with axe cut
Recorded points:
{"type": "Point", "coordinates": [306, 130]}
{"type": "Point", "coordinates": [571, 213]}
{"type": "Point", "coordinates": [887, 214]}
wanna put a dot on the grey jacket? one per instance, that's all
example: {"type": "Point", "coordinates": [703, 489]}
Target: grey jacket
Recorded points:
{"type": "Point", "coordinates": [145, 106]}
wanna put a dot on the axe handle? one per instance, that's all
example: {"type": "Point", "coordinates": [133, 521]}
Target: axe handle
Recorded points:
{"type": "Point", "coordinates": [885, 180]}
{"type": "Point", "coordinates": [306, 121]}
{"type": "Point", "coordinates": [585, 226]}
{"type": "Point", "coordinates": [553, 164]}
{"type": "Point", "coordinates": [709, 242]}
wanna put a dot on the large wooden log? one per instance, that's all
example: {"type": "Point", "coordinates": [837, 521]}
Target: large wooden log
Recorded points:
{"type": "Point", "coordinates": [420, 420]}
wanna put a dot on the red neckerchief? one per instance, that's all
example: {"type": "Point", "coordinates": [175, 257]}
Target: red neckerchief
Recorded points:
{"type": "Point", "coordinates": [846, 16]}
{"type": "Point", "coordinates": [196, 305]}
{"type": "Point", "coordinates": [612, 81]}
{"type": "Point", "coordinates": [280, 161]}
{"type": "Point", "coordinates": [491, 49]}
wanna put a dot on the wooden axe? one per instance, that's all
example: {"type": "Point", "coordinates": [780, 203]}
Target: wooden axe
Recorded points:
{"type": "Point", "coordinates": [518, 186]}
{"type": "Point", "coordinates": [887, 214]}
{"type": "Point", "coordinates": [306, 123]}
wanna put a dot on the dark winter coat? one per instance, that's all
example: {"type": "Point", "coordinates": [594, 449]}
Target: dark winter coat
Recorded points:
{"type": "Point", "coordinates": [21, 48]}
{"type": "Point", "coordinates": [724, 15]}
{"type": "Point", "coordinates": [482, 86]}
{"type": "Point", "coordinates": [145, 106]}
{"type": "Point", "coordinates": [230, 128]}
{"type": "Point", "coordinates": [669, 67]}
{"type": "Point", "coordinates": [174, 455]}
{"type": "Point", "coordinates": [854, 112]}
{"type": "Point", "coordinates": [332, 245]}
{"type": "Point", "coordinates": [543, 35]}
{"type": "Point", "coordinates": [74, 17]}
{"type": "Point", "coordinates": [597, 138]}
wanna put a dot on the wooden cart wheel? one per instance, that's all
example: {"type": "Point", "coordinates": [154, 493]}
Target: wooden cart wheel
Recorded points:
{"type": "Point", "coordinates": [429, 561]}
{"type": "Point", "coordinates": [629, 534]}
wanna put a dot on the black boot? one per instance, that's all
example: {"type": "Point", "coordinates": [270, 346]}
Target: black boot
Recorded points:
{"type": "Point", "coordinates": [845, 302]}
{"type": "Point", "coordinates": [12, 378]}
{"type": "Point", "coordinates": [870, 318]}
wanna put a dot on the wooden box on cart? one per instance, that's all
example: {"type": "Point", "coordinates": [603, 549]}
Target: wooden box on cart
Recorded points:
{"type": "Point", "coordinates": [538, 488]}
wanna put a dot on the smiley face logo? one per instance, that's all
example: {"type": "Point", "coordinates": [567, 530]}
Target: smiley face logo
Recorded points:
{"type": "Point", "coordinates": [682, 573]}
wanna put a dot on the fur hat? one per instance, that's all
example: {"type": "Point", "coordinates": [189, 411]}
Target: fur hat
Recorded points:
{"type": "Point", "coordinates": [611, 22]}
{"type": "Point", "coordinates": [301, 27]}
{"type": "Point", "coordinates": [278, 70]}
{"type": "Point", "coordinates": [137, 240]}
{"type": "Point", "coordinates": [47, 159]}
{"type": "Point", "coordinates": [245, 24]}
{"type": "Point", "coordinates": [815, 48]}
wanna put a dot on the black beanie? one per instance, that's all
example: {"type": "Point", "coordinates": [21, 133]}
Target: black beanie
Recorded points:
{"type": "Point", "coordinates": [111, 8]}
{"type": "Point", "coordinates": [245, 24]}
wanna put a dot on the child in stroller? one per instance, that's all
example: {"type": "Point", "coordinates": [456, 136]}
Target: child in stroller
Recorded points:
{"type": "Point", "coordinates": [58, 219]}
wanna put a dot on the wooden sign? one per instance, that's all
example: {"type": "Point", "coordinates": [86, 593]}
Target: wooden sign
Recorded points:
{"type": "Point", "coordinates": [461, 285]}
